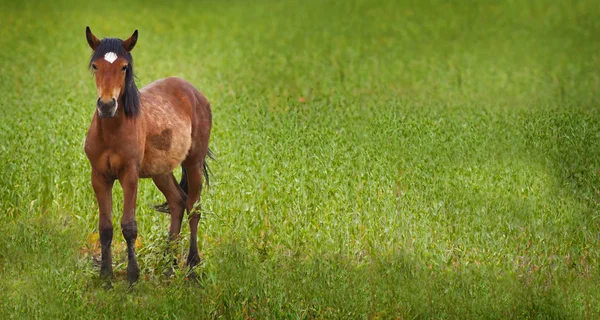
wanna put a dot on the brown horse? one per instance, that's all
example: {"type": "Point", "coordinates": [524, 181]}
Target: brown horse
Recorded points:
{"type": "Point", "coordinates": [144, 134]}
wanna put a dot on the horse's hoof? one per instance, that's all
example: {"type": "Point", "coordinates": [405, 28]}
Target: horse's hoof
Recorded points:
{"type": "Point", "coordinates": [193, 260]}
{"type": "Point", "coordinates": [169, 272]}
{"type": "Point", "coordinates": [107, 285]}
{"type": "Point", "coordinates": [131, 287]}
{"type": "Point", "coordinates": [133, 273]}
{"type": "Point", "coordinates": [106, 273]}
{"type": "Point", "coordinates": [194, 278]}
{"type": "Point", "coordinates": [133, 278]}
{"type": "Point", "coordinates": [192, 275]}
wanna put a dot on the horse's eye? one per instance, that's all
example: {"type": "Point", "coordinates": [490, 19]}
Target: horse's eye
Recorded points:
{"type": "Point", "coordinates": [94, 67]}
{"type": "Point", "coordinates": [124, 68]}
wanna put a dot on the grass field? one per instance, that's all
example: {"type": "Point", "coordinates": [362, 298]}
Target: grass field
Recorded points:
{"type": "Point", "coordinates": [376, 159]}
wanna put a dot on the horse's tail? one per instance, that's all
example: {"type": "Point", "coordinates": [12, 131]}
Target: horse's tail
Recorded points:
{"type": "Point", "coordinates": [183, 183]}
{"type": "Point", "coordinates": [206, 169]}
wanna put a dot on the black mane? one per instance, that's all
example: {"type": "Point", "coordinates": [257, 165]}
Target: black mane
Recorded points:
{"type": "Point", "coordinates": [131, 95]}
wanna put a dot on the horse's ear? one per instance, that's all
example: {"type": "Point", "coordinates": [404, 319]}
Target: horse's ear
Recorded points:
{"type": "Point", "coordinates": [91, 38]}
{"type": "Point", "coordinates": [130, 43]}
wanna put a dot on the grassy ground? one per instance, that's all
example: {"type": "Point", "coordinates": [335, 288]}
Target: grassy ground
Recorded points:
{"type": "Point", "coordinates": [376, 159]}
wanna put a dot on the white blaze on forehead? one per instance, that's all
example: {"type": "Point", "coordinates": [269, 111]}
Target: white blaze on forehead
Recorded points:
{"type": "Point", "coordinates": [110, 57]}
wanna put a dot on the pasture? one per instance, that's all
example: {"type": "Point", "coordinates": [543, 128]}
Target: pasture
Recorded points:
{"type": "Point", "coordinates": [375, 159]}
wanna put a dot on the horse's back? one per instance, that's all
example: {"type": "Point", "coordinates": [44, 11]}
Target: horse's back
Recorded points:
{"type": "Point", "coordinates": [177, 120]}
{"type": "Point", "coordinates": [189, 99]}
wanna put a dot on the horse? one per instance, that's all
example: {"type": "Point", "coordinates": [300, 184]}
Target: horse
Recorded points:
{"type": "Point", "coordinates": [144, 133]}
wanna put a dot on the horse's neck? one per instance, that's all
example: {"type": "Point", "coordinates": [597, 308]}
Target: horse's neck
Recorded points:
{"type": "Point", "coordinates": [118, 127]}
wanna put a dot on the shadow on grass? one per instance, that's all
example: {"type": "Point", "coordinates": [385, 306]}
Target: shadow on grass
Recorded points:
{"type": "Point", "coordinates": [385, 287]}
{"type": "Point", "coordinates": [568, 143]}
{"type": "Point", "coordinates": [240, 282]}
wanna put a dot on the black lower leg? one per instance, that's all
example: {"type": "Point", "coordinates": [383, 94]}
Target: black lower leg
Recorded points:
{"type": "Point", "coordinates": [130, 233]}
{"type": "Point", "coordinates": [193, 257]}
{"type": "Point", "coordinates": [106, 235]}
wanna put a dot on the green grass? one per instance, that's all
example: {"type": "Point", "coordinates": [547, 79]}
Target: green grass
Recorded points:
{"type": "Point", "coordinates": [376, 159]}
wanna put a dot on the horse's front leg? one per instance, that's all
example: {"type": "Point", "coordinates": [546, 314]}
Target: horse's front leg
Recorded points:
{"type": "Point", "coordinates": [129, 181]}
{"type": "Point", "coordinates": [103, 189]}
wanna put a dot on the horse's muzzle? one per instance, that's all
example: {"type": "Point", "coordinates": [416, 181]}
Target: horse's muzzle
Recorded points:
{"type": "Point", "coordinates": [106, 109]}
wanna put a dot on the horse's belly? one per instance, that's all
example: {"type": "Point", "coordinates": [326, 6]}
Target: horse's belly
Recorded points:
{"type": "Point", "coordinates": [165, 150]}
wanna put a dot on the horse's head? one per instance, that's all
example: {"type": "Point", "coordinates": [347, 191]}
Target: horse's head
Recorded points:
{"type": "Point", "coordinates": [112, 65]}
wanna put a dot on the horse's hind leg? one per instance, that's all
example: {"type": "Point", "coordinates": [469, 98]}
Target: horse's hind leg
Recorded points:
{"type": "Point", "coordinates": [194, 174]}
{"type": "Point", "coordinates": [167, 184]}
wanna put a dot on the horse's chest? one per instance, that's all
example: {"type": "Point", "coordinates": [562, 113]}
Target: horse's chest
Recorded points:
{"type": "Point", "coordinates": [111, 162]}
{"type": "Point", "coordinates": [110, 158]}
